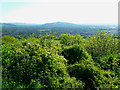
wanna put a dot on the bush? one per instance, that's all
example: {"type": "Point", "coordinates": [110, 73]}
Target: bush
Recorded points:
{"type": "Point", "coordinates": [101, 44]}
{"type": "Point", "coordinates": [68, 39]}
{"type": "Point", "coordinates": [92, 76]}
{"type": "Point", "coordinates": [9, 40]}
{"type": "Point", "coordinates": [75, 53]}
{"type": "Point", "coordinates": [68, 61]}
{"type": "Point", "coordinates": [31, 65]}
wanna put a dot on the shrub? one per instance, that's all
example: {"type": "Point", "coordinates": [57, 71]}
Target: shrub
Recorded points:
{"type": "Point", "coordinates": [92, 76]}
{"type": "Point", "coordinates": [101, 44]}
{"type": "Point", "coordinates": [31, 65]}
{"type": "Point", "coordinates": [68, 39]}
{"type": "Point", "coordinates": [75, 53]}
{"type": "Point", "coordinates": [9, 40]}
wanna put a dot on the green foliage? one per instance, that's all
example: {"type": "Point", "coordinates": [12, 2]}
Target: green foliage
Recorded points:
{"type": "Point", "coordinates": [101, 44]}
{"type": "Point", "coordinates": [92, 76]}
{"type": "Point", "coordinates": [67, 39]}
{"type": "Point", "coordinates": [109, 62]}
{"type": "Point", "coordinates": [72, 82]}
{"type": "Point", "coordinates": [84, 71]}
{"type": "Point", "coordinates": [75, 53]}
{"type": "Point", "coordinates": [31, 63]}
{"type": "Point", "coordinates": [9, 40]}
{"type": "Point", "coordinates": [67, 61]}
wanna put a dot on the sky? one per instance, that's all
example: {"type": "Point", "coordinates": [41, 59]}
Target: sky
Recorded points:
{"type": "Point", "coordinates": [101, 12]}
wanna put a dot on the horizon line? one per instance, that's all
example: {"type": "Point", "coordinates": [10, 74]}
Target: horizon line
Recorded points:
{"type": "Point", "coordinates": [63, 22]}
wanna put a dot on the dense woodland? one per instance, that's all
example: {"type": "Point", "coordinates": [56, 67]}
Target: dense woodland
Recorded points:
{"type": "Point", "coordinates": [64, 61]}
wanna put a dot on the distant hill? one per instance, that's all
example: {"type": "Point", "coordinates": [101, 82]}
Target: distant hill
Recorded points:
{"type": "Point", "coordinates": [59, 27]}
{"type": "Point", "coordinates": [7, 24]}
{"type": "Point", "coordinates": [60, 24]}
{"type": "Point", "coordinates": [72, 26]}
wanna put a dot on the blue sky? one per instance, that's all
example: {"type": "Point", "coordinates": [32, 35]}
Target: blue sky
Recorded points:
{"type": "Point", "coordinates": [8, 7]}
{"type": "Point", "coordinates": [74, 12]}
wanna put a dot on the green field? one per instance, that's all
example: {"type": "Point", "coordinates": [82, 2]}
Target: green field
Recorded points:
{"type": "Point", "coordinates": [43, 29]}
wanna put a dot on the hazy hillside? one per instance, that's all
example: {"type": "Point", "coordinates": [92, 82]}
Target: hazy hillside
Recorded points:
{"type": "Point", "coordinates": [25, 29]}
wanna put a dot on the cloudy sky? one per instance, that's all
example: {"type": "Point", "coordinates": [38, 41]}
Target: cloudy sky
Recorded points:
{"type": "Point", "coordinates": [40, 12]}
